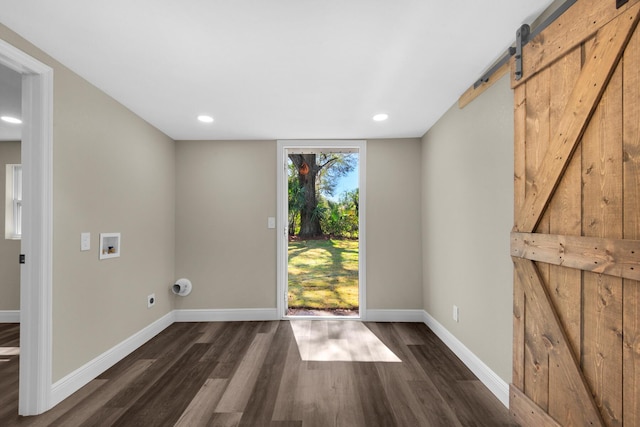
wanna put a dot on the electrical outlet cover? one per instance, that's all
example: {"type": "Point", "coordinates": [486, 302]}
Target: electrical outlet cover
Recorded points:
{"type": "Point", "coordinates": [85, 241]}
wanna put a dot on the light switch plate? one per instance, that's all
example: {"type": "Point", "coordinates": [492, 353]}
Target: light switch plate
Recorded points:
{"type": "Point", "coordinates": [271, 222]}
{"type": "Point", "coordinates": [85, 241]}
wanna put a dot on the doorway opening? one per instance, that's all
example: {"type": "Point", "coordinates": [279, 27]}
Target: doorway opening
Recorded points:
{"type": "Point", "coordinates": [10, 188]}
{"type": "Point", "coordinates": [321, 251]}
{"type": "Point", "coordinates": [37, 224]}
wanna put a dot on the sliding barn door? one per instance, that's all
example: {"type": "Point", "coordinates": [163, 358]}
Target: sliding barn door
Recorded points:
{"type": "Point", "coordinates": [576, 239]}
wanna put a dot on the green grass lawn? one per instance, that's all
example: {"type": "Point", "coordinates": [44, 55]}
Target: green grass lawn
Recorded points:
{"type": "Point", "coordinates": [323, 274]}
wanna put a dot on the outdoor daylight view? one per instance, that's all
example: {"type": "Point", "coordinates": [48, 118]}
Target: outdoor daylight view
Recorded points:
{"type": "Point", "coordinates": [323, 224]}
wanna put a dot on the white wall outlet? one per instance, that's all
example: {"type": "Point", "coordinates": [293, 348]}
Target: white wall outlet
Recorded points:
{"type": "Point", "coordinates": [151, 300]}
{"type": "Point", "coordinates": [271, 222]}
{"type": "Point", "coordinates": [85, 241]}
{"type": "Point", "coordinates": [456, 313]}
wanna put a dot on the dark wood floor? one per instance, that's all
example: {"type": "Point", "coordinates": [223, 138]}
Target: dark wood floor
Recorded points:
{"type": "Point", "coordinates": [252, 374]}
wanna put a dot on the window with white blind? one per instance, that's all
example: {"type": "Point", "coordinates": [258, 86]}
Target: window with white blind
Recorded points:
{"type": "Point", "coordinates": [13, 203]}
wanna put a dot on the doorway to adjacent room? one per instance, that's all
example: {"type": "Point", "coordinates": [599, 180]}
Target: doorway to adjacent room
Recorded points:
{"type": "Point", "coordinates": [35, 386]}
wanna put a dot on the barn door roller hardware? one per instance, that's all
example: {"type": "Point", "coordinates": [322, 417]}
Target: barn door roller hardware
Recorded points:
{"type": "Point", "coordinates": [522, 40]}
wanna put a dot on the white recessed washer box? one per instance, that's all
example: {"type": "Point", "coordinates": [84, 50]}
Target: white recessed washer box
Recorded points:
{"type": "Point", "coordinates": [109, 245]}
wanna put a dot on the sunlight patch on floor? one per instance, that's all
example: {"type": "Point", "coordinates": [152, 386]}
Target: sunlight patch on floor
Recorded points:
{"type": "Point", "coordinates": [336, 340]}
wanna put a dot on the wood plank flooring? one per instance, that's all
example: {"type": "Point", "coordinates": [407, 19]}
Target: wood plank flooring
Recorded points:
{"type": "Point", "coordinates": [251, 374]}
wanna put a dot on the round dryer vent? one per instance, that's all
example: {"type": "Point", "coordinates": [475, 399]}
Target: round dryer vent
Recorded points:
{"type": "Point", "coordinates": [182, 287]}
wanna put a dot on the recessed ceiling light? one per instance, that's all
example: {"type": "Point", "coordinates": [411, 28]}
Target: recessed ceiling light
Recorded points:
{"type": "Point", "coordinates": [205, 119]}
{"type": "Point", "coordinates": [380, 117]}
{"type": "Point", "coordinates": [11, 120]}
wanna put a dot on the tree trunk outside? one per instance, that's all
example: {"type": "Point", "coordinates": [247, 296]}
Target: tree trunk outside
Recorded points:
{"type": "Point", "coordinates": [309, 223]}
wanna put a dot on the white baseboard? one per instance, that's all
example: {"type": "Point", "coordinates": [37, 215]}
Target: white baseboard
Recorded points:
{"type": "Point", "coordinates": [71, 383]}
{"type": "Point", "coordinates": [413, 316]}
{"type": "Point", "coordinates": [226, 315]}
{"type": "Point", "coordinates": [490, 379]}
{"type": "Point", "coordinates": [83, 375]}
{"type": "Point", "coordinates": [9, 316]}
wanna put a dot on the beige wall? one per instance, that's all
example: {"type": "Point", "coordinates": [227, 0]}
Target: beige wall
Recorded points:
{"type": "Point", "coordinates": [394, 247]}
{"type": "Point", "coordinates": [467, 214]}
{"type": "Point", "coordinates": [113, 172]}
{"type": "Point", "coordinates": [225, 192]}
{"type": "Point", "coordinates": [9, 249]}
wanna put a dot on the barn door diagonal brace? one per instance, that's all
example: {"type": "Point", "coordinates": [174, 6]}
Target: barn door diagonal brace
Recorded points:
{"type": "Point", "coordinates": [522, 38]}
{"type": "Point", "coordinates": [610, 42]}
{"type": "Point", "coordinates": [581, 400]}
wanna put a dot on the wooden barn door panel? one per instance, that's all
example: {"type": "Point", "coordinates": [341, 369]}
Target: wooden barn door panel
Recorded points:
{"type": "Point", "coordinates": [601, 217]}
{"type": "Point", "coordinates": [564, 284]}
{"type": "Point", "coordinates": [631, 229]}
{"type": "Point", "coordinates": [537, 131]}
{"type": "Point", "coordinates": [579, 405]}
{"type": "Point", "coordinates": [576, 239]}
{"type": "Point", "coordinates": [565, 208]}
{"type": "Point", "coordinates": [608, 46]}
{"type": "Point", "coordinates": [519, 184]}
{"type": "Point", "coordinates": [572, 29]}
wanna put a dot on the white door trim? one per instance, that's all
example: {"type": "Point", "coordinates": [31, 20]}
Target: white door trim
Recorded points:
{"type": "Point", "coordinates": [36, 244]}
{"type": "Point", "coordinates": [282, 208]}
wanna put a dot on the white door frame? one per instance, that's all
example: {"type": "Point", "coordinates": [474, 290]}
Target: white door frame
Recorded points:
{"type": "Point", "coordinates": [37, 226]}
{"type": "Point", "coordinates": [282, 221]}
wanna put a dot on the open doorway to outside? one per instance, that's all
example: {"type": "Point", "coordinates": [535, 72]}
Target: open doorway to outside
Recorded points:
{"type": "Point", "coordinates": [321, 195]}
